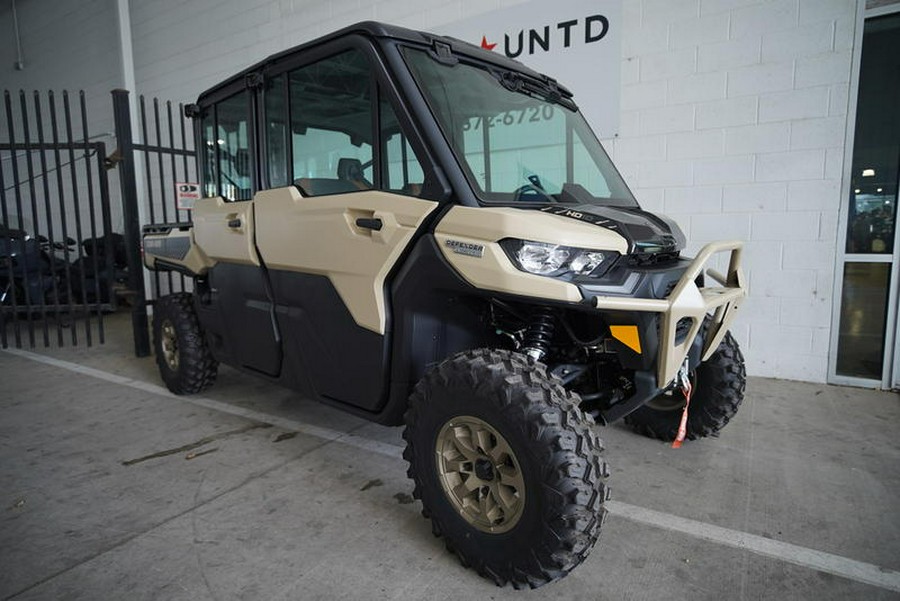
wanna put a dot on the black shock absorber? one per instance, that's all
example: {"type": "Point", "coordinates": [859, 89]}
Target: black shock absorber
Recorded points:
{"type": "Point", "coordinates": [539, 333]}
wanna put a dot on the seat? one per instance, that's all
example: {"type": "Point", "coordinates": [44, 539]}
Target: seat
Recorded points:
{"type": "Point", "coordinates": [351, 170]}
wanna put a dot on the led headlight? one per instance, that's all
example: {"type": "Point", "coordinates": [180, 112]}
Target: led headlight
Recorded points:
{"type": "Point", "coordinates": [541, 258]}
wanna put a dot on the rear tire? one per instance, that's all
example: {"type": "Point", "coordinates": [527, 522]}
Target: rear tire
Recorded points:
{"type": "Point", "coordinates": [185, 362]}
{"type": "Point", "coordinates": [719, 384]}
{"type": "Point", "coordinates": [507, 467]}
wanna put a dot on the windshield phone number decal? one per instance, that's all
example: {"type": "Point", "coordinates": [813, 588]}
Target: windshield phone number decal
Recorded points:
{"type": "Point", "coordinates": [532, 114]}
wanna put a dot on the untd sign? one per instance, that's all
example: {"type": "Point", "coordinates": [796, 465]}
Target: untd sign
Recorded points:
{"type": "Point", "coordinates": [541, 40]}
{"type": "Point", "coordinates": [576, 42]}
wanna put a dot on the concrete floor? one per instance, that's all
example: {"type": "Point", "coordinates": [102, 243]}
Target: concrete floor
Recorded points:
{"type": "Point", "coordinates": [110, 489]}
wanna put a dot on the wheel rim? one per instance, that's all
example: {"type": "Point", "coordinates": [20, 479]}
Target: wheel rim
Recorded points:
{"type": "Point", "coordinates": [673, 400]}
{"type": "Point", "coordinates": [169, 345]}
{"type": "Point", "coordinates": [480, 474]}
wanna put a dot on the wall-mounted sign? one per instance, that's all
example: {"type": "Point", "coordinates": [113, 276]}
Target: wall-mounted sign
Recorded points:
{"type": "Point", "coordinates": [577, 42]}
{"type": "Point", "coordinates": [186, 194]}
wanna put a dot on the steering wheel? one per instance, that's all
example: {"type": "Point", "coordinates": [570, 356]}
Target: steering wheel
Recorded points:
{"type": "Point", "coordinates": [530, 192]}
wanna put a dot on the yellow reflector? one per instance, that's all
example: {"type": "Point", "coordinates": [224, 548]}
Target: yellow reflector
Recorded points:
{"type": "Point", "coordinates": [627, 335]}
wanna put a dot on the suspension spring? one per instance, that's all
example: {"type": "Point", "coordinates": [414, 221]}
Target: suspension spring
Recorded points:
{"type": "Point", "coordinates": [539, 334]}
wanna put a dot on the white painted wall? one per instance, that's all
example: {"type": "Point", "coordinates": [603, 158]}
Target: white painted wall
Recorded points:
{"type": "Point", "coordinates": [733, 121]}
{"type": "Point", "coordinates": [66, 46]}
{"type": "Point", "coordinates": [733, 115]}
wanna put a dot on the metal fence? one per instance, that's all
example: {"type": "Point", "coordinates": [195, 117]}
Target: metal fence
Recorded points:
{"type": "Point", "coordinates": [168, 160]}
{"type": "Point", "coordinates": [62, 264]}
{"type": "Point", "coordinates": [58, 251]}
{"type": "Point", "coordinates": [150, 169]}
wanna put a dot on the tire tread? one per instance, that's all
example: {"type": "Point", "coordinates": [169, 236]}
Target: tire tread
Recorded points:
{"type": "Point", "coordinates": [197, 367]}
{"type": "Point", "coordinates": [720, 394]}
{"type": "Point", "coordinates": [568, 447]}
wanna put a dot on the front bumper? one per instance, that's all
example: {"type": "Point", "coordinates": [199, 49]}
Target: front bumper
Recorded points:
{"type": "Point", "coordinates": [687, 301]}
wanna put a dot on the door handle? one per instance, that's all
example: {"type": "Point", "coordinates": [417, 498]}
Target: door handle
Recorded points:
{"type": "Point", "coordinates": [234, 223]}
{"type": "Point", "coordinates": [373, 223]}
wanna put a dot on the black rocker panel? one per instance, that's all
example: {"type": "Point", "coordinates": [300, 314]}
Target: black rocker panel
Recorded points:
{"type": "Point", "coordinates": [326, 354]}
{"type": "Point", "coordinates": [238, 292]}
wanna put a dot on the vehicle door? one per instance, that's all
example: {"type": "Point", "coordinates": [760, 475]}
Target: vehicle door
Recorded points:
{"type": "Point", "coordinates": [343, 207]}
{"type": "Point", "coordinates": [241, 314]}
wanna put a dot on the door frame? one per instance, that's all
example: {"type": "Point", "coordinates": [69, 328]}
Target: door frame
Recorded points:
{"type": "Point", "coordinates": [890, 369]}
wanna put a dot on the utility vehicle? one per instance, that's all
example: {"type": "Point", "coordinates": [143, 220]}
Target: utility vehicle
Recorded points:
{"type": "Point", "coordinates": [422, 232]}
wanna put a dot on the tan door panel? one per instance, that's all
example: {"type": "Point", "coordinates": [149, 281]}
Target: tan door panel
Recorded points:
{"type": "Point", "coordinates": [224, 230]}
{"type": "Point", "coordinates": [319, 235]}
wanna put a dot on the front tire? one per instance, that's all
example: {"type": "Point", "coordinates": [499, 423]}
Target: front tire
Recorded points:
{"type": "Point", "coordinates": [507, 467]}
{"type": "Point", "coordinates": [718, 383]}
{"type": "Point", "coordinates": [184, 360]}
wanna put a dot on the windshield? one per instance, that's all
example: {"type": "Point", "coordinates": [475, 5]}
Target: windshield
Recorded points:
{"type": "Point", "coordinates": [515, 137]}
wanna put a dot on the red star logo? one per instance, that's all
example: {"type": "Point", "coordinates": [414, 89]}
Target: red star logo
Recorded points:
{"type": "Point", "coordinates": [485, 45]}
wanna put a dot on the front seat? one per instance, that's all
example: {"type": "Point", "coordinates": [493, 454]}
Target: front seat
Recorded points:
{"type": "Point", "coordinates": [351, 170]}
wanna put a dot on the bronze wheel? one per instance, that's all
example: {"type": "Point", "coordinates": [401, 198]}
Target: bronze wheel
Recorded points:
{"type": "Point", "coordinates": [506, 465]}
{"type": "Point", "coordinates": [480, 474]}
{"type": "Point", "coordinates": [185, 362]}
{"type": "Point", "coordinates": [169, 344]}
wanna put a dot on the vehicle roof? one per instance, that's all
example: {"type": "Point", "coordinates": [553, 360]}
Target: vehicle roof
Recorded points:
{"type": "Point", "coordinates": [375, 29]}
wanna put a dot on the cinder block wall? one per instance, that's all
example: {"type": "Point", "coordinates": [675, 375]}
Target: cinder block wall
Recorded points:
{"type": "Point", "coordinates": [734, 114]}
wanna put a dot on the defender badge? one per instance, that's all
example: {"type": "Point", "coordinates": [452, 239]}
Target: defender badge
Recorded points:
{"type": "Point", "coordinates": [465, 248]}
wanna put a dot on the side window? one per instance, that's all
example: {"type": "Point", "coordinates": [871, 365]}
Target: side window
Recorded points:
{"type": "Point", "coordinates": [401, 171]}
{"type": "Point", "coordinates": [277, 131]}
{"type": "Point", "coordinates": [210, 173]}
{"type": "Point", "coordinates": [226, 140]}
{"type": "Point", "coordinates": [319, 132]}
{"type": "Point", "coordinates": [331, 125]}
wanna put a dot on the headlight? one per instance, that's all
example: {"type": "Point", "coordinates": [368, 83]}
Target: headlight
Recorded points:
{"type": "Point", "coordinates": [541, 258]}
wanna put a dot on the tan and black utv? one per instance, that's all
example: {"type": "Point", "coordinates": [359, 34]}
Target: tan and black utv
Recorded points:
{"type": "Point", "coordinates": [422, 232]}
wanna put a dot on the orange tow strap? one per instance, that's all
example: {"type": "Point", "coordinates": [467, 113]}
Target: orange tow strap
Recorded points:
{"type": "Point", "coordinates": [686, 388]}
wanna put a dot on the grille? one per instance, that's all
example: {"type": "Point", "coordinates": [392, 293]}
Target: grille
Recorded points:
{"type": "Point", "coordinates": [647, 259]}
{"type": "Point", "coordinates": [682, 328]}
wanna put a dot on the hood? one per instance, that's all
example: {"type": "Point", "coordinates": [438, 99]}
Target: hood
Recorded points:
{"type": "Point", "coordinates": [645, 232]}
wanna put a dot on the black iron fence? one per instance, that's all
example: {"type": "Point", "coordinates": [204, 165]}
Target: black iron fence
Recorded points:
{"type": "Point", "coordinates": [69, 252]}
{"type": "Point", "coordinates": [168, 159]}
{"type": "Point", "coordinates": [57, 245]}
{"type": "Point", "coordinates": [151, 170]}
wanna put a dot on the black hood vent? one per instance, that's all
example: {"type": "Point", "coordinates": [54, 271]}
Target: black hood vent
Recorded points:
{"type": "Point", "coordinates": [646, 233]}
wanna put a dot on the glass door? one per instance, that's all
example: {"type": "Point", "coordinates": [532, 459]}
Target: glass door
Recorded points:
{"type": "Point", "coordinates": [864, 345]}
{"type": "Point", "coordinates": [895, 376]}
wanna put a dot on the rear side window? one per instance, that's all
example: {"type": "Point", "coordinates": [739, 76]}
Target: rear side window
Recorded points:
{"type": "Point", "coordinates": [227, 159]}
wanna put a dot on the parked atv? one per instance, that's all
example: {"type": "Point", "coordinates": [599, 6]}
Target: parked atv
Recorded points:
{"type": "Point", "coordinates": [105, 267]}
{"type": "Point", "coordinates": [37, 273]}
{"type": "Point", "coordinates": [33, 271]}
{"type": "Point", "coordinates": [422, 232]}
